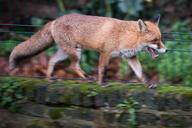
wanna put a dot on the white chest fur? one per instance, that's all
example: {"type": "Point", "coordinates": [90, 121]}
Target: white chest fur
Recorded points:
{"type": "Point", "coordinates": [127, 53]}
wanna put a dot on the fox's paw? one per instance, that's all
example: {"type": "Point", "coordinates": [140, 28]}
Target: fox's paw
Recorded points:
{"type": "Point", "coordinates": [91, 78]}
{"type": "Point", "coordinates": [11, 66]}
{"type": "Point", "coordinates": [51, 79]}
{"type": "Point", "coordinates": [152, 85]}
{"type": "Point", "coordinates": [104, 85]}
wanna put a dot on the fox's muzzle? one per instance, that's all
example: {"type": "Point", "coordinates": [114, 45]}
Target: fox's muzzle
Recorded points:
{"type": "Point", "coordinates": [160, 47]}
{"type": "Point", "coordinates": [163, 48]}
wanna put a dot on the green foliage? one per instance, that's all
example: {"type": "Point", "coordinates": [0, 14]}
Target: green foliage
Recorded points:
{"type": "Point", "coordinates": [131, 7]}
{"type": "Point", "coordinates": [56, 113]}
{"type": "Point", "coordinates": [10, 93]}
{"type": "Point", "coordinates": [94, 7]}
{"type": "Point", "coordinates": [91, 92]}
{"type": "Point", "coordinates": [37, 21]}
{"type": "Point", "coordinates": [128, 105]}
{"type": "Point", "coordinates": [172, 66]}
{"type": "Point", "coordinates": [176, 66]}
{"type": "Point", "coordinates": [124, 68]}
{"type": "Point", "coordinates": [6, 47]}
{"type": "Point", "coordinates": [88, 60]}
{"type": "Point", "coordinates": [114, 8]}
{"type": "Point", "coordinates": [61, 5]}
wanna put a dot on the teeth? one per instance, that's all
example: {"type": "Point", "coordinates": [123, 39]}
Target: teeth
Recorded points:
{"type": "Point", "coordinates": [152, 52]}
{"type": "Point", "coordinates": [154, 56]}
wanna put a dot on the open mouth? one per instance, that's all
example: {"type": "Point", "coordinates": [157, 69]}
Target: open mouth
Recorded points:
{"type": "Point", "coordinates": [152, 52]}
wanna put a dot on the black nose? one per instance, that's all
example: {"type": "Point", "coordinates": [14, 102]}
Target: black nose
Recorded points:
{"type": "Point", "coordinates": [166, 50]}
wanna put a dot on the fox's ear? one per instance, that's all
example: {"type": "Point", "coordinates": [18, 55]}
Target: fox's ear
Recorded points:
{"type": "Point", "coordinates": [141, 26]}
{"type": "Point", "coordinates": [155, 19]}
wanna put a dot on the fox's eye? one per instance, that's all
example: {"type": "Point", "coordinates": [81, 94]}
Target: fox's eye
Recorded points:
{"type": "Point", "coordinates": [155, 40]}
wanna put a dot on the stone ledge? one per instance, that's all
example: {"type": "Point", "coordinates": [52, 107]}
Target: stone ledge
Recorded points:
{"type": "Point", "coordinates": [85, 94]}
{"type": "Point", "coordinates": [85, 104]}
{"type": "Point", "coordinates": [79, 117]}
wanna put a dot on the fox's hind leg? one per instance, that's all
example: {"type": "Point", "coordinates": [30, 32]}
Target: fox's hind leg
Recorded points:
{"type": "Point", "coordinates": [59, 56]}
{"type": "Point", "coordinates": [74, 55]}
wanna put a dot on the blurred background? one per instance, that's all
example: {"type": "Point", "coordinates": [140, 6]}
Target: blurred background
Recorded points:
{"type": "Point", "coordinates": [19, 19]}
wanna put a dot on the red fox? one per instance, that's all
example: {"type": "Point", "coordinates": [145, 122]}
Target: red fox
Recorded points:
{"type": "Point", "coordinates": [110, 36]}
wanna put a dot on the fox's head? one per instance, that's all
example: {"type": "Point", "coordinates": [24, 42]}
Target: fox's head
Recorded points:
{"type": "Point", "coordinates": [150, 36]}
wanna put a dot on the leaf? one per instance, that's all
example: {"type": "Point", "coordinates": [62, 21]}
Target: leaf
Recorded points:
{"type": "Point", "coordinates": [135, 102]}
{"type": "Point", "coordinates": [7, 99]}
{"type": "Point", "coordinates": [125, 101]}
{"type": "Point", "coordinates": [16, 84]}
{"type": "Point", "coordinates": [18, 96]}
{"type": "Point", "coordinates": [117, 115]}
{"type": "Point", "coordinates": [37, 21]}
{"type": "Point", "coordinates": [92, 94]}
{"type": "Point", "coordinates": [132, 122]}
{"type": "Point", "coordinates": [121, 106]}
{"type": "Point", "coordinates": [123, 7]}
{"type": "Point", "coordinates": [131, 6]}
{"type": "Point", "coordinates": [131, 110]}
{"type": "Point", "coordinates": [5, 85]}
{"type": "Point", "coordinates": [10, 90]}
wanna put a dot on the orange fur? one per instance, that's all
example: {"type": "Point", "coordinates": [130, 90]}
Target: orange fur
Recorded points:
{"type": "Point", "coordinates": [107, 35]}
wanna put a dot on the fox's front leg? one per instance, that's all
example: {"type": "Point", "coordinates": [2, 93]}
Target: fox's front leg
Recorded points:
{"type": "Point", "coordinates": [103, 61]}
{"type": "Point", "coordinates": [136, 67]}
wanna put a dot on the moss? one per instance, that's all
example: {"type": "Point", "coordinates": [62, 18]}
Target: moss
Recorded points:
{"type": "Point", "coordinates": [67, 95]}
{"type": "Point", "coordinates": [72, 82]}
{"type": "Point", "coordinates": [34, 124]}
{"type": "Point", "coordinates": [31, 84]}
{"type": "Point", "coordinates": [27, 83]}
{"type": "Point", "coordinates": [83, 86]}
{"type": "Point", "coordinates": [188, 95]}
{"type": "Point", "coordinates": [56, 113]}
{"type": "Point", "coordinates": [167, 89]}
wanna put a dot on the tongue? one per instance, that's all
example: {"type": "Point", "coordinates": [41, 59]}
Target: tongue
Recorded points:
{"type": "Point", "coordinates": [152, 53]}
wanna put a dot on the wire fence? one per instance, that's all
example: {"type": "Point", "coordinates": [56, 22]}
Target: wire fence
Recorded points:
{"type": "Point", "coordinates": [39, 26]}
{"type": "Point", "coordinates": [31, 33]}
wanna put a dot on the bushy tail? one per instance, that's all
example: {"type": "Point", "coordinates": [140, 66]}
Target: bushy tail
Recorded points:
{"type": "Point", "coordinates": [40, 41]}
